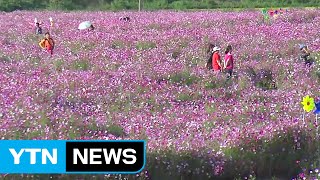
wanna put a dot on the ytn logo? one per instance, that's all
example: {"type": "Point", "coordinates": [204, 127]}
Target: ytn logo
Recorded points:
{"type": "Point", "coordinates": [32, 152]}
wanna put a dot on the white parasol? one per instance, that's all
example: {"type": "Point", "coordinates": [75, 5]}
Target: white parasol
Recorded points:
{"type": "Point", "coordinates": [84, 25]}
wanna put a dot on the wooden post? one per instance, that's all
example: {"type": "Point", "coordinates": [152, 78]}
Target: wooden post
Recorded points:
{"type": "Point", "coordinates": [139, 5]}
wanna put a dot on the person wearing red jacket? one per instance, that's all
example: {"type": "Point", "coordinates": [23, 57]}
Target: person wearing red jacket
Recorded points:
{"type": "Point", "coordinates": [216, 60]}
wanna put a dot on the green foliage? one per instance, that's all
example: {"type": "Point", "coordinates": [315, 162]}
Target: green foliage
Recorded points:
{"type": "Point", "coordinates": [210, 108]}
{"type": "Point", "coordinates": [144, 45]}
{"type": "Point", "coordinates": [11, 5]}
{"type": "Point", "coordinates": [178, 5]}
{"type": "Point", "coordinates": [60, 4]}
{"type": "Point", "coordinates": [266, 85]}
{"type": "Point", "coordinates": [118, 44]}
{"type": "Point", "coordinates": [35, 61]}
{"type": "Point", "coordinates": [83, 65]}
{"type": "Point", "coordinates": [275, 156]}
{"type": "Point", "coordinates": [262, 78]}
{"type": "Point", "coordinates": [116, 130]}
{"type": "Point", "coordinates": [124, 4]}
{"type": "Point", "coordinates": [156, 4]}
{"type": "Point", "coordinates": [318, 74]}
{"type": "Point", "coordinates": [4, 59]}
{"type": "Point", "coordinates": [183, 78]}
{"type": "Point", "coordinates": [210, 85]}
{"type": "Point", "coordinates": [184, 97]}
{"type": "Point", "coordinates": [218, 82]}
{"type": "Point", "coordinates": [176, 53]}
{"type": "Point", "coordinates": [59, 65]}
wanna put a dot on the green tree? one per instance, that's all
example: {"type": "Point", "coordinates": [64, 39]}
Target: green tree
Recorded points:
{"type": "Point", "coordinates": [178, 5]}
{"type": "Point", "coordinates": [124, 4]}
{"type": "Point", "coordinates": [11, 5]}
{"type": "Point", "coordinates": [61, 4]}
{"type": "Point", "coordinates": [155, 4]}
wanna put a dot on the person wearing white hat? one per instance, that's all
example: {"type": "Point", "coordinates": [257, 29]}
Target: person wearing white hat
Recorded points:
{"type": "Point", "coordinates": [216, 60]}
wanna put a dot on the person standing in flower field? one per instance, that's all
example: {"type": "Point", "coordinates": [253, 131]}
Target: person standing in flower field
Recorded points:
{"type": "Point", "coordinates": [47, 43]}
{"type": "Point", "coordinates": [209, 56]}
{"type": "Point", "coordinates": [38, 28]}
{"type": "Point", "coordinates": [126, 19]}
{"type": "Point", "coordinates": [91, 28]}
{"type": "Point", "coordinates": [228, 60]}
{"type": "Point", "coordinates": [51, 22]}
{"type": "Point", "coordinates": [305, 53]}
{"type": "Point", "coordinates": [216, 60]}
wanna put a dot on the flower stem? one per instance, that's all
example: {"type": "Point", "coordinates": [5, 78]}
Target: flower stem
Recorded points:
{"type": "Point", "coordinates": [317, 131]}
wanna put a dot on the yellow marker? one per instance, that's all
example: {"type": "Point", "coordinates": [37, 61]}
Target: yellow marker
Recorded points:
{"type": "Point", "coordinates": [308, 103]}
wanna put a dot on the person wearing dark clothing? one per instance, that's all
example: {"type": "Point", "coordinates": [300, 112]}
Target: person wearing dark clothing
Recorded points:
{"type": "Point", "coordinates": [91, 28]}
{"type": "Point", "coordinates": [305, 55]}
{"type": "Point", "coordinates": [38, 29]}
{"type": "Point", "coordinates": [126, 19]}
{"type": "Point", "coordinates": [209, 56]}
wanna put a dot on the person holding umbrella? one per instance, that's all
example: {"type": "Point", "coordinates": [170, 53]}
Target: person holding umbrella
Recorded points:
{"type": "Point", "coordinates": [86, 25]}
{"type": "Point", "coordinates": [91, 27]}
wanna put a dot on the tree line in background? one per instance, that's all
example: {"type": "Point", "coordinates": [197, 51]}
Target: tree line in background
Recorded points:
{"type": "Point", "coordinates": [11, 5]}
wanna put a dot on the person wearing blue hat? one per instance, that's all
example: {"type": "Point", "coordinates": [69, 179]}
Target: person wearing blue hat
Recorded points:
{"type": "Point", "coordinates": [305, 54]}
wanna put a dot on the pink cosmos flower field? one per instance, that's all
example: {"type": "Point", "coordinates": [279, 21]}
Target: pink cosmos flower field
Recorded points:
{"type": "Point", "coordinates": [146, 79]}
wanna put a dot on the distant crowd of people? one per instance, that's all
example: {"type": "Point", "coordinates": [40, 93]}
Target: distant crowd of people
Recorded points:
{"type": "Point", "coordinates": [216, 64]}
{"type": "Point", "coordinates": [214, 61]}
{"type": "Point", "coordinates": [226, 65]}
{"type": "Point", "coordinates": [276, 11]}
{"type": "Point", "coordinates": [47, 42]}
